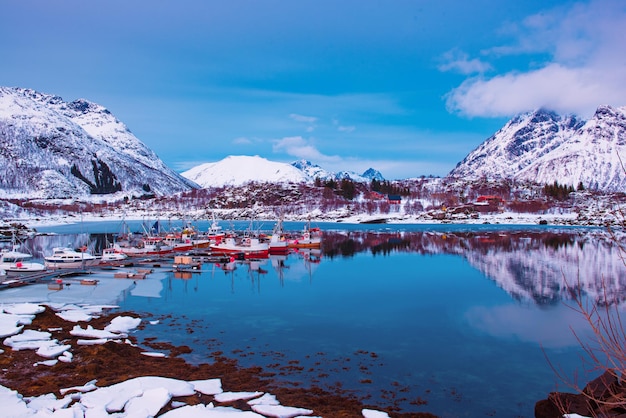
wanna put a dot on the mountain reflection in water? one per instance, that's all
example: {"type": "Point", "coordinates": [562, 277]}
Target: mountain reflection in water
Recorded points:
{"type": "Point", "coordinates": [542, 267]}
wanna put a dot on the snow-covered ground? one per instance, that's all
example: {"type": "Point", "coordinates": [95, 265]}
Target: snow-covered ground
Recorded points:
{"type": "Point", "coordinates": [339, 216]}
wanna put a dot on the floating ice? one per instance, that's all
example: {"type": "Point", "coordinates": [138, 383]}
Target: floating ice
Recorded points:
{"type": "Point", "coordinates": [97, 341]}
{"type": "Point", "coordinates": [151, 401]}
{"type": "Point", "coordinates": [208, 387]}
{"type": "Point", "coordinates": [27, 335]}
{"type": "Point", "coordinates": [46, 363]}
{"type": "Point", "coordinates": [123, 324]}
{"type": "Point", "coordinates": [75, 315]}
{"type": "Point", "coordinates": [91, 332]}
{"type": "Point", "coordinates": [208, 411]}
{"type": "Point", "coordinates": [370, 413]}
{"type": "Point", "coordinates": [114, 397]}
{"type": "Point", "coordinates": [87, 387]}
{"type": "Point", "coordinates": [267, 399]}
{"type": "Point", "coordinates": [13, 404]}
{"type": "Point", "coordinates": [52, 351]}
{"type": "Point", "coordinates": [153, 354]}
{"type": "Point", "coordinates": [9, 325]}
{"type": "Point", "coordinates": [279, 411]}
{"type": "Point", "coordinates": [24, 309]}
{"type": "Point", "coordinates": [235, 396]}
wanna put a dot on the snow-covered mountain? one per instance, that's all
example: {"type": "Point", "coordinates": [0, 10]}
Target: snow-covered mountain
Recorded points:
{"type": "Point", "coordinates": [313, 171]}
{"type": "Point", "coordinates": [56, 149]}
{"type": "Point", "coordinates": [241, 169]}
{"type": "Point", "coordinates": [544, 147]}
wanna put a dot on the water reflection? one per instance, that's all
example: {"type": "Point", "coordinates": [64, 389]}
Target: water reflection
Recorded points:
{"type": "Point", "coordinates": [541, 267]}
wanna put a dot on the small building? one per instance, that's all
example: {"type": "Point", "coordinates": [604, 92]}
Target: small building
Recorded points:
{"type": "Point", "coordinates": [394, 199]}
{"type": "Point", "coordinates": [490, 199]}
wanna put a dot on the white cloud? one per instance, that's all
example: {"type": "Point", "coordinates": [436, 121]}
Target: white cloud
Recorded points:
{"type": "Point", "coordinates": [586, 65]}
{"type": "Point", "coordinates": [556, 87]}
{"type": "Point", "coordinates": [299, 147]}
{"type": "Point", "coordinates": [346, 128]}
{"type": "Point", "coordinates": [241, 141]}
{"type": "Point", "coordinates": [301, 118]}
{"type": "Point", "coordinates": [459, 61]}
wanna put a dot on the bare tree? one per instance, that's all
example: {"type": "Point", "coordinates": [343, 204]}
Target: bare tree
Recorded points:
{"type": "Point", "coordinates": [604, 351]}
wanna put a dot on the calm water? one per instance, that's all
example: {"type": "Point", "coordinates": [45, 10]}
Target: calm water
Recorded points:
{"type": "Point", "coordinates": [457, 321]}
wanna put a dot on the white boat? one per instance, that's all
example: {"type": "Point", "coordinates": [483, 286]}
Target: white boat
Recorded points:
{"type": "Point", "coordinates": [112, 257]}
{"type": "Point", "coordinates": [15, 263]}
{"type": "Point", "coordinates": [214, 234]}
{"type": "Point", "coordinates": [147, 246]}
{"type": "Point", "coordinates": [64, 257]}
{"type": "Point", "coordinates": [250, 247]}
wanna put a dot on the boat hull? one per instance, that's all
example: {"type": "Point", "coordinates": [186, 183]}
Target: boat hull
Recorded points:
{"type": "Point", "coordinates": [305, 244]}
{"type": "Point", "coordinates": [24, 270]}
{"type": "Point", "coordinates": [247, 252]}
{"type": "Point", "coordinates": [78, 264]}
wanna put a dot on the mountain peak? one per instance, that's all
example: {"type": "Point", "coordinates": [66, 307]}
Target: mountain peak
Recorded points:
{"type": "Point", "coordinates": [372, 174]}
{"type": "Point", "coordinates": [74, 149]}
{"type": "Point", "coordinates": [241, 169]}
{"type": "Point", "coordinates": [543, 147]}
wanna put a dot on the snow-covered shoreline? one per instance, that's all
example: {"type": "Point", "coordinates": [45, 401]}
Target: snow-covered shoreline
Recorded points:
{"type": "Point", "coordinates": [139, 397]}
{"type": "Point", "coordinates": [505, 218]}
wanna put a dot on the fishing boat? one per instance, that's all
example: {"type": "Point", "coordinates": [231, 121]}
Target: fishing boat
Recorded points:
{"type": "Point", "coordinates": [14, 263]}
{"type": "Point", "coordinates": [68, 258]}
{"type": "Point", "coordinates": [179, 242]}
{"type": "Point", "coordinates": [308, 238]}
{"type": "Point", "coordinates": [112, 257]}
{"type": "Point", "coordinates": [278, 244]}
{"type": "Point", "coordinates": [215, 234]}
{"type": "Point", "coordinates": [146, 246]}
{"type": "Point", "coordinates": [249, 247]}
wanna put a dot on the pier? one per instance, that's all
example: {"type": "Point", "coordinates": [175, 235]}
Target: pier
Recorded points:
{"type": "Point", "coordinates": [47, 276]}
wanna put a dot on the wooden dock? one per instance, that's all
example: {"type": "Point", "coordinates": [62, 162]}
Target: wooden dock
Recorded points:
{"type": "Point", "coordinates": [47, 276]}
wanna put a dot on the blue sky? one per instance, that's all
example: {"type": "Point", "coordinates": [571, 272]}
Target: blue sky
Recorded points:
{"type": "Point", "coordinates": [406, 87]}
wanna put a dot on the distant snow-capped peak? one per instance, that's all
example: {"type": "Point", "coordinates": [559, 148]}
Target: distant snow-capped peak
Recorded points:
{"type": "Point", "coordinates": [241, 169]}
{"type": "Point", "coordinates": [238, 170]}
{"type": "Point", "coordinates": [312, 171]}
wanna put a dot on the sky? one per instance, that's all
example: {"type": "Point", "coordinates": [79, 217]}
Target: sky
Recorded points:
{"type": "Point", "coordinates": [408, 87]}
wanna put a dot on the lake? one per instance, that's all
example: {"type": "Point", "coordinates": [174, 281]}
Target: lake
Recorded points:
{"type": "Point", "coordinates": [453, 320]}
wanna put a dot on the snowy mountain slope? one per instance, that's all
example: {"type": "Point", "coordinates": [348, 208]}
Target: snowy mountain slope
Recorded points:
{"type": "Point", "coordinates": [544, 147]}
{"type": "Point", "coordinates": [314, 171]}
{"type": "Point", "coordinates": [55, 149]}
{"type": "Point", "coordinates": [241, 169]}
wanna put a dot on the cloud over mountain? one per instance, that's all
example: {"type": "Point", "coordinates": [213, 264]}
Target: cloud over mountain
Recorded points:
{"type": "Point", "coordinates": [585, 64]}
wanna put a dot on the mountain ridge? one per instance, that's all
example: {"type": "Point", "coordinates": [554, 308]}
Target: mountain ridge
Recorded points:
{"type": "Point", "coordinates": [544, 147]}
{"type": "Point", "coordinates": [57, 149]}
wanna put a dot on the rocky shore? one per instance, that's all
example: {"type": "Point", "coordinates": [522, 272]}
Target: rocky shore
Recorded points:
{"type": "Point", "coordinates": [602, 397]}
{"type": "Point", "coordinates": [115, 362]}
